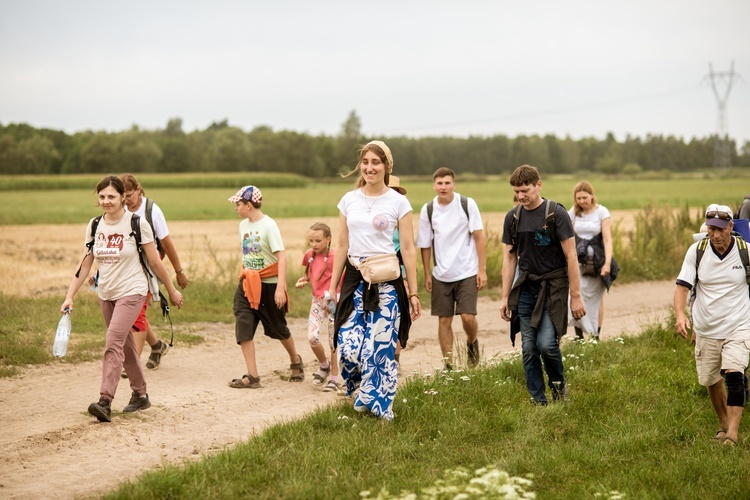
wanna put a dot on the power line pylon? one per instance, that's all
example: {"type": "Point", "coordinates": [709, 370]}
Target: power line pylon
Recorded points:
{"type": "Point", "coordinates": [722, 82]}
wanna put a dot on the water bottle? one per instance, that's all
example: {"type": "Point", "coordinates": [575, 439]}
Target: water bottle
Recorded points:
{"type": "Point", "coordinates": [330, 303]}
{"type": "Point", "coordinates": [60, 347]}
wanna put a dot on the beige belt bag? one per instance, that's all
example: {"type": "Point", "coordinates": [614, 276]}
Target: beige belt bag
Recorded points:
{"type": "Point", "coordinates": [380, 268]}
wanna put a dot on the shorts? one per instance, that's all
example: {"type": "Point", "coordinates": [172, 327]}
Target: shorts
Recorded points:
{"type": "Point", "coordinates": [247, 318]}
{"type": "Point", "coordinates": [715, 356]}
{"type": "Point", "coordinates": [457, 297]}
{"type": "Point", "coordinates": [141, 322]}
{"type": "Point", "coordinates": [708, 360]}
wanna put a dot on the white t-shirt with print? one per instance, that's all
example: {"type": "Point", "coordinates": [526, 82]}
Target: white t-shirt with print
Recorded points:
{"type": "Point", "coordinates": [371, 221]}
{"type": "Point", "coordinates": [116, 253]}
{"type": "Point", "coordinates": [722, 304]}
{"type": "Point", "coordinates": [455, 249]}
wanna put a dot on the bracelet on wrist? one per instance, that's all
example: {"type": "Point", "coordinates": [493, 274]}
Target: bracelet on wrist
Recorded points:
{"type": "Point", "coordinates": [413, 295]}
{"type": "Point", "coordinates": [181, 271]}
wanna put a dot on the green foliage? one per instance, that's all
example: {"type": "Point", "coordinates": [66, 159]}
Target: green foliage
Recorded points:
{"type": "Point", "coordinates": [657, 244]}
{"type": "Point", "coordinates": [225, 148]}
{"type": "Point", "coordinates": [644, 436]}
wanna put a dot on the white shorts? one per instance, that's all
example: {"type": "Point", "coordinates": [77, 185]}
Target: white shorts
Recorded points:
{"type": "Point", "coordinates": [714, 356]}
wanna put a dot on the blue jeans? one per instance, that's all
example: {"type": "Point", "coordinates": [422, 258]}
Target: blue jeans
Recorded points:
{"type": "Point", "coordinates": [539, 345]}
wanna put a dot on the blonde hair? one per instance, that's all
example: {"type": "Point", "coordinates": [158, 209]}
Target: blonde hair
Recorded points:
{"type": "Point", "coordinates": [131, 183]}
{"type": "Point", "coordinates": [586, 187]}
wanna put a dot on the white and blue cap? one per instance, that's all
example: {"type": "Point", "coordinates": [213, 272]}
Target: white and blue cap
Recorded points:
{"type": "Point", "coordinates": [247, 193]}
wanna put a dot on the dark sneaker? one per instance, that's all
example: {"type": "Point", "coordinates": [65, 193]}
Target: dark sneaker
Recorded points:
{"type": "Point", "coordinates": [472, 351]}
{"type": "Point", "coordinates": [558, 393]}
{"type": "Point", "coordinates": [155, 359]}
{"type": "Point", "coordinates": [137, 403]}
{"type": "Point", "coordinates": [101, 410]}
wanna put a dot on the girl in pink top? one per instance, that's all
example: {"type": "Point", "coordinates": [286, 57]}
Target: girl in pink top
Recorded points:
{"type": "Point", "coordinates": [318, 262]}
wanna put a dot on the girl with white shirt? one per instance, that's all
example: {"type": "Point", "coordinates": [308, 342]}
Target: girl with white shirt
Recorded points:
{"type": "Point", "coordinates": [371, 318]}
{"type": "Point", "coordinates": [591, 223]}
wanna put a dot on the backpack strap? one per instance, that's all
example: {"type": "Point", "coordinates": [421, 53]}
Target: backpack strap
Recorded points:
{"type": "Point", "coordinates": [742, 248]}
{"type": "Point", "coordinates": [90, 244]}
{"type": "Point", "coordinates": [699, 251]}
{"type": "Point", "coordinates": [150, 220]}
{"type": "Point", "coordinates": [135, 231]}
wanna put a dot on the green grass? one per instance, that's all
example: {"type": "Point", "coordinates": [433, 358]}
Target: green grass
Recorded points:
{"type": "Point", "coordinates": [637, 423]}
{"type": "Point", "coordinates": [184, 201]}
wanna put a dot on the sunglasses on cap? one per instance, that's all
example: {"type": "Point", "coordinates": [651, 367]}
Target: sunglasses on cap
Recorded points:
{"type": "Point", "coordinates": [716, 214]}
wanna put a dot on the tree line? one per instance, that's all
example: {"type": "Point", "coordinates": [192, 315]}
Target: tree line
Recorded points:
{"type": "Point", "coordinates": [225, 148]}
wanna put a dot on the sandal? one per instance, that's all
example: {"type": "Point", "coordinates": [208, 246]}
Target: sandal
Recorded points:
{"type": "Point", "coordinates": [719, 438]}
{"type": "Point", "coordinates": [239, 383]}
{"type": "Point", "coordinates": [321, 375]}
{"type": "Point", "coordinates": [731, 442]}
{"type": "Point", "coordinates": [300, 375]}
{"type": "Point", "coordinates": [332, 386]}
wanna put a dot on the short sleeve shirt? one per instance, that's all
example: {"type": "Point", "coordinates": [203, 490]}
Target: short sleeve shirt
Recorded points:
{"type": "Point", "coordinates": [116, 253]}
{"type": "Point", "coordinates": [320, 270]}
{"type": "Point", "coordinates": [371, 221]}
{"type": "Point", "coordinates": [538, 252]}
{"type": "Point", "coordinates": [259, 241]}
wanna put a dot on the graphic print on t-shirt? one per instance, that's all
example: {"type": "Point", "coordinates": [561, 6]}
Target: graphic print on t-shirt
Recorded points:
{"type": "Point", "coordinates": [109, 252]}
{"type": "Point", "coordinates": [251, 256]}
{"type": "Point", "coordinates": [380, 222]}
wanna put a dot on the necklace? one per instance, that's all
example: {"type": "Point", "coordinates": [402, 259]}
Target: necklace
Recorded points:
{"type": "Point", "coordinates": [377, 197]}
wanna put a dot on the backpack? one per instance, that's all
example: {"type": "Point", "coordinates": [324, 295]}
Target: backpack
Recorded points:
{"type": "Point", "coordinates": [741, 247]}
{"type": "Point", "coordinates": [149, 210]}
{"type": "Point", "coordinates": [464, 205]}
{"type": "Point", "coordinates": [135, 231]}
{"type": "Point", "coordinates": [549, 223]}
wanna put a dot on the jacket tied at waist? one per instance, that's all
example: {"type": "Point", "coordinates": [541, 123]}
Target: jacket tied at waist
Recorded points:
{"type": "Point", "coordinates": [553, 290]}
{"type": "Point", "coordinates": [370, 301]}
{"type": "Point", "coordinates": [597, 245]}
{"type": "Point", "coordinates": [252, 285]}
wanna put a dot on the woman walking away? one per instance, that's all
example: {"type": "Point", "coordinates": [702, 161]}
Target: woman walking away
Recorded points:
{"type": "Point", "coordinates": [374, 309]}
{"type": "Point", "coordinates": [123, 287]}
{"type": "Point", "coordinates": [591, 223]}
{"type": "Point", "coordinates": [318, 262]}
{"type": "Point", "coordinates": [136, 202]}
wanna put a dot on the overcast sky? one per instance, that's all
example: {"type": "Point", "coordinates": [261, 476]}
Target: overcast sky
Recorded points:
{"type": "Point", "coordinates": [575, 67]}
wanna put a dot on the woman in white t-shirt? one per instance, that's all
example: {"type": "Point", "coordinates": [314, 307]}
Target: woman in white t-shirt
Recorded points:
{"type": "Point", "coordinates": [371, 318]}
{"type": "Point", "coordinates": [591, 223]}
{"type": "Point", "coordinates": [122, 290]}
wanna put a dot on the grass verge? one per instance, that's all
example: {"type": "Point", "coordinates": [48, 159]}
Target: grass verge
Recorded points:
{"type": "Point", "coordinates": [637, 424]}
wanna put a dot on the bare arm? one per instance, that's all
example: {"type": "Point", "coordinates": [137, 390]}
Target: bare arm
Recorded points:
{"type": "Point", "coordinates": [680, 304]}
{"type": "Point", "coordinates": [607, 237]}
{"type": "Point", "coordinates": [157, 267]}
{"type": "Point", "coordinates": [75, 283]}
{"type": "Point", "coordinates": [409, 255]}
{"type": "Point", "coordinates": [574, 277]}
{"type": "Point", "coordinates": [481, 256]}
{"type": "Point", "coordinates": [510, 261]}
{"type": "Point", "coordinates": [339, 258]}
{"type": "Point", "coordinates": [427, 265]}
{"type": "Point", "coordinates": [174, 259]}
{"type": "Point", "coordinates": [280, 295]}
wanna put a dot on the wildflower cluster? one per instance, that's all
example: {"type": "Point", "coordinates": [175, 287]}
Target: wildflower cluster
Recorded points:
{"type": "Point", "coordinates": [460, 483]}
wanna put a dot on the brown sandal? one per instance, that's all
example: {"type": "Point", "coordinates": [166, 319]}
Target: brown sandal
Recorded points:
{"type": "Point", "coordinates": [239, 383]}
{"type": "Point", "coordinates": [300, 376]}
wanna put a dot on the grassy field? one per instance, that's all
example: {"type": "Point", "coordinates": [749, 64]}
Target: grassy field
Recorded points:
{"type": "Point", "coordinates": [186, 201]}
{"type": "Point", "coordinates": [637, 425]}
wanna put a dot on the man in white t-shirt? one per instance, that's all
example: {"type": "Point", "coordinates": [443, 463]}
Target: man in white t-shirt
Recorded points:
{"type": "Point", "coordinates": [721, 318]}
{"type": "Point", "coordinates": [450, 227]}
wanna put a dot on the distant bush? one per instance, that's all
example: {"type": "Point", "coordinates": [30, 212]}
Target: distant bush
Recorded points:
{"type": "Point", "coordinates": [631, 169]}
{"type": "Point", "coordinates": [157, 181]}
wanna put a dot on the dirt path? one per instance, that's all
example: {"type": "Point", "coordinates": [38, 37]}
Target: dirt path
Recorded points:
{"type": "Point", "coordinates": [51, 447]}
